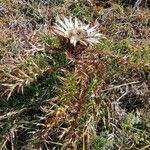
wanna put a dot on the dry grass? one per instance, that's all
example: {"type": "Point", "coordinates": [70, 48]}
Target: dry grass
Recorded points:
{"type": "Point", "coordinates": [99, 101]}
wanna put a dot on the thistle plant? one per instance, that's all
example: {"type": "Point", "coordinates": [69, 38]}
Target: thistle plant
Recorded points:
{"type": "Point", "coordinates": [77, 89]}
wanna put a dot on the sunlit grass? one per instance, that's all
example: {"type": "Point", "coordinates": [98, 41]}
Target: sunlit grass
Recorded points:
{"type": "Point", "coordinates": [50, 102]}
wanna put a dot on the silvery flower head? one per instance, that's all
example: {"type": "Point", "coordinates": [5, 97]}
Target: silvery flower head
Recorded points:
{"type": "Point", "coordinates": [76, 31]}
